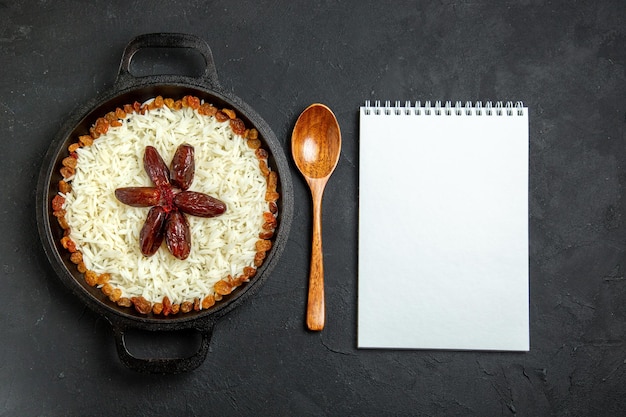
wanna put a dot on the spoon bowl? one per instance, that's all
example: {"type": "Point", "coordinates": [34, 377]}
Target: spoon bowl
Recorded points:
{"type": "Point", "coordinates": [315, 147]}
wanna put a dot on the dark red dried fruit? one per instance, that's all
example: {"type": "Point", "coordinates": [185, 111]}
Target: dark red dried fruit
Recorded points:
{"type": "Point", "coordinates": [155, 167]}
{"type": "Point", "coordinates": [199, 204]}
{"type": "Point", "coordinates": [152, 232]}
{"type": "Point", "coordinates": [166, 219]}
{"type": "Point", "coordinates": [182, 167]}
{"type": "Point", "coordinates": [178, 234]}
{"type": "Point", "coordinates": [138, 196]}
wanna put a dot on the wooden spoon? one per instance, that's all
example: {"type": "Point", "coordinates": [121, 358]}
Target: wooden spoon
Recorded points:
{"type": "Point", "coordinates": [316, 146]}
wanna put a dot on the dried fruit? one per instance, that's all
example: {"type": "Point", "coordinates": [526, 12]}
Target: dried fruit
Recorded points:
{"type": "Point", "coordinates": [199, 204]}
{"type": "Point", "coordinates": [186, 306]}
{"type": "Point", "coordinates": [91, 278]}
{"type": "Point", "coordinates": [208, 301]}
{"type": "Point", "coordinates": [230, 113]}
{"type": "Point", "coordinates": [152, 232]}
{"type": "Point", "coordinates": [220, 116]}
{"type": "Point", "coordinates": [182, 167]}
{"type": "Point", "coordinates": [223, 287]}
{"type": "Point", "coordinates": [263, 245]}
{"type": "Point", "coordinates": [155, 167]}
{"type": "Point", "coordinates": [58, 202]}
{"type": "Point", "coordinates": [138, 196]}
{"type": "Point", "coordinates": [165, 219]}
{"type": "Point", "coordinates": [178, 235]}
{"type": "Point", "coordinates": [167, 306]}
{"type": "Point", "coordinates": [238, 126]}
{"type": "Point", "coordinates": [142, 305]}
{"type": "Point", "coordinates": [124, 302]}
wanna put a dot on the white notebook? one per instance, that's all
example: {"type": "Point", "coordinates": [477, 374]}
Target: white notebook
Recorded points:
{"type": "Point", "coordinates": [443, 226]}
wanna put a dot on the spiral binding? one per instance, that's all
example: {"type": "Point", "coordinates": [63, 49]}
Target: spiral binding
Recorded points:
{"type": "Point", "coordinates": [498, 108]}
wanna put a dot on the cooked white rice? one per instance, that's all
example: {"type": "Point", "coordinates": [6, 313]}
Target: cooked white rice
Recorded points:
{"type": "Point", "coordinates": [106, 231]}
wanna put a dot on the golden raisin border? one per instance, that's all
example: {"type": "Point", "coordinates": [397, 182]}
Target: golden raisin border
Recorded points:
{"type": "Point", "coordinates": [221, 288]}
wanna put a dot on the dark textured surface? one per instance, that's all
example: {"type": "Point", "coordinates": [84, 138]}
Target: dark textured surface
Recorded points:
{"type": "Point", "coordinates": [567, 62]}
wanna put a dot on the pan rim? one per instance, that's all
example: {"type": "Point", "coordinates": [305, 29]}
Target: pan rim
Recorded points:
{"type": "Point", "coordinates": [121, 316]}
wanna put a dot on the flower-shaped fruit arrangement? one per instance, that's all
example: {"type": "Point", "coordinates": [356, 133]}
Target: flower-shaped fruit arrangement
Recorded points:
{"type": "Point", "coordinates": [170, 199]}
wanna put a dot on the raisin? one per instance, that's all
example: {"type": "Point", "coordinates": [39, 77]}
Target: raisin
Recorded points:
{"type": "Point", "coordinates": [237, 125]}
{"type": "Point", "coordinates": [58, 202]}
{"type": "Point", "coordinates": [64, 187]}
{"type": "Point", "coordinates": [253, 134]}
{"type": "Point", "coordinates": [101, 127]}
{"type": "Point", "coordinates": [263, 245]}
{"type": "Point", "coordinates": [104, 278]}
{"type": "Point", "coordinates": [249, 271]}
{"type": "Point", "coordinates": [85, 140]}
{"type": "Point", "coordinates": [192, 101]}
{"type": "Point", "coordinates": [158, 101]}
{"type": "Point", "coordinates": [272, 181]}
{"type": "Point", "coordinates": [157, 308]}
{"type": "Point", "coordinates": [115, 295]}
{"type": "Point", "coordinates": [258, 258]}
{"type": "Point", "coordinates": [208, 301]}
{"type": "Point", "coordinates": [220, 116]}
{"type": "Point", "coordinates": [69, 162]}
{"type": "Point", "coordinates": [271, 196]}
{"type": "Point", "coordinates": [269, 217]}
{"type": "Point", "coordinates": [207, 109]}
{"type": "Point", "coordinates": [261, 153]}
{"type": "Point", "coordinates": [91, 278]}
{"type": "Point", "coordinates": [253, 143]}
{"type": "Point", "coordinates": [59, 213]}
{"type": "Point", "coordinates": [267, 234]}
{"type": "Point", "coordinates": [124, 302]}
{"type": "Point", "coordinates": [76, 257]}
{"type": "Point", "coordinates": [110, 116]}
{"type": "Point", "coordinates": [230, 113]}
{"type": "Point", "coordinates": [263, 167]}
{"type": "Point", "coordinates": [107, 289]}
{"type": "Point", "coordinates": [68, 244]}
{"type": "Point", "coordinates": [142, 305]}
{"type": "Point", "coordinates": [223, 287]}
{"type": "Point", "coordinates": [67, 172]}
{"type": "Point", "coordinates": [167, 306]}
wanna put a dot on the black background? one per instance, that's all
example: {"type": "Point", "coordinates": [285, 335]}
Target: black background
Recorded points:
{"type": "Point", "coordinates": [565, 60]}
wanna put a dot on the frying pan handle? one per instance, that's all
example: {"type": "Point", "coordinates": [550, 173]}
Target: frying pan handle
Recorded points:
{"type": "Point", "coordinates": [167, 40]}
{"type": "Point", "coordinates": [162, 365]}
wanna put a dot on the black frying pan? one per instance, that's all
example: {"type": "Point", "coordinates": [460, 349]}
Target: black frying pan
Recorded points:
{"type": "Point", "coordinates": [127, 89]}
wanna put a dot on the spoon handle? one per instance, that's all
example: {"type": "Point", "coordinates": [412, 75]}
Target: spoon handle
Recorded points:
{"type": "Point", "coordinates": [315, 306]}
